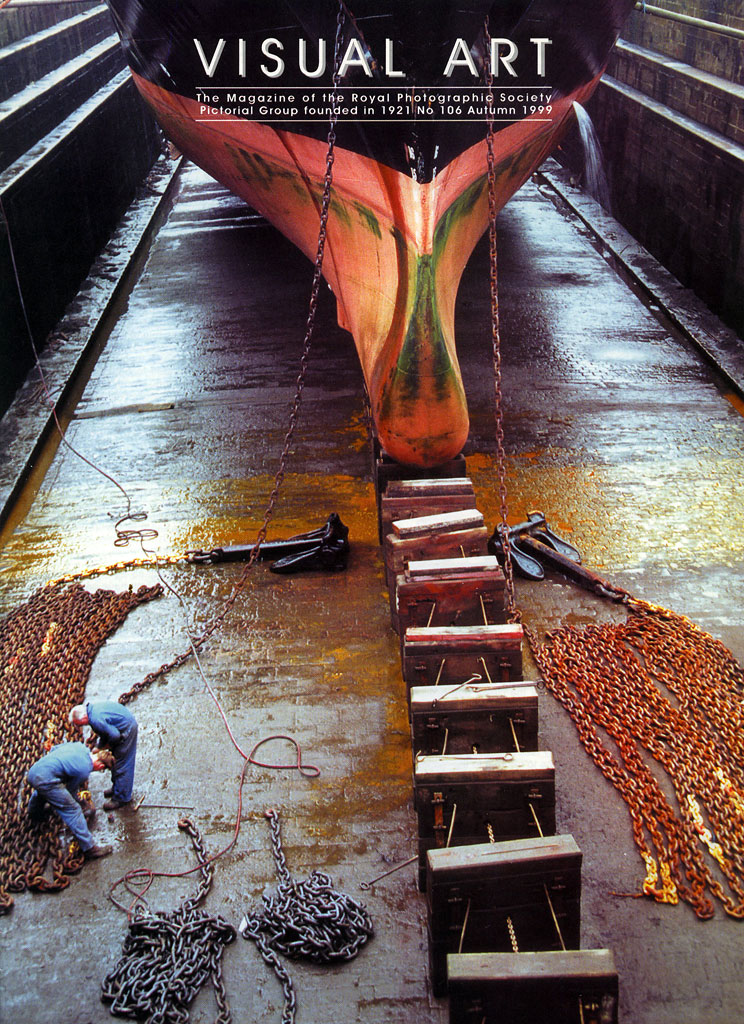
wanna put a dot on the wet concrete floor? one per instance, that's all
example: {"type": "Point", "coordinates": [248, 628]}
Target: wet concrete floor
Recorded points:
{"type": "Point", "coordinates": [613, 428]}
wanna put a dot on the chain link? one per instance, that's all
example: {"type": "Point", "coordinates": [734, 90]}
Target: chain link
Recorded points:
{"type": "Point", "coordinates": [512, 935]}
{"type": "Point", "coordinates": [158, 562]}
{"type": "Point", "coordinates": [616, 678]}
{"type": "Point", "coordinates": [503, 526]}
{"type": "Point", "coordinates": [608, 677]}
{"type": "Point", "coordinates": [52, 619]}
{"type": "Point", "coordinates": [369, 420]}
{"type": "Point", "coordinates": [325, 204]}
{"type": "Point", "coordinates": [168, 957]}
{"type": "Point", "coordinates": [304, 920]}
{"type": "Point", "coordinates": [47, 648]}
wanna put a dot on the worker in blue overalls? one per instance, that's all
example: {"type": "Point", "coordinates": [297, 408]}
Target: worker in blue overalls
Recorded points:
{"type": "Point", "coordinates": [56, 779]}
{"type": "Point", "coordinates": [116, 728]}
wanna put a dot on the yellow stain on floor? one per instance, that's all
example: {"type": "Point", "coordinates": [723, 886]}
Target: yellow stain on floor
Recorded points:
{"type": "Point", "coordinates": [678, 513]}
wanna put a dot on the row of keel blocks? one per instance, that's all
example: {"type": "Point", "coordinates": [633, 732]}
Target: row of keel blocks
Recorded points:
{"type": "Point", "coordinates": [503, 891]}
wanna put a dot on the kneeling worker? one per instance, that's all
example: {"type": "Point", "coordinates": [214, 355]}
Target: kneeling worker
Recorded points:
{"type": "Point", "coordinates": [116, 728]}
{"type": "Point", "coordinates": [57, 777]}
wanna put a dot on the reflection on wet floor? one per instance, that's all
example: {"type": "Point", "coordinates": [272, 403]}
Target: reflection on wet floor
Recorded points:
{"type": "Point", "coordinates": [613, 429]}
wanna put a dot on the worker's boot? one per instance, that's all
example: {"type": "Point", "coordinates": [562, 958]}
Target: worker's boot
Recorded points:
{"type": "Point", "coordinates": [108, 792]}
{"type": "Point", "coordinates": [114, 804]}
{"type": "Point", "coordinates": [95, 852]}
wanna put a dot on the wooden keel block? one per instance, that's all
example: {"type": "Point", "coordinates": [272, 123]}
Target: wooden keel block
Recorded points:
{"type": "Point", "coordinates": [465, 595]}
{"type": "Point", "coordinates": [572, 987]}
{"type": "Point", "coordinates": [429, 487]}
{"type": "Point", "coordinates": [446, 522]}
{"type": "Point", "coordinates": [504, 875]}
{"type": "Point", "coordinates": [387, 470]}
{"type": "Point", "coordinates": [436, 568]}
{"type": "Point", "coordinates": [463, 650]}
{"type": "Point", "coordinates": [476, 894]}
{"type": "Point", "coordinates": [460, 798]}
{"type": "Point", "coordinates": [486, 716]}
{"type": "Point", "coordinates": [398, 508]}
{"type": "Point", "coordinates": [446, 544]}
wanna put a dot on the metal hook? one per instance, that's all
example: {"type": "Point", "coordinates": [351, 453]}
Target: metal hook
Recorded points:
{"type": "Point", "coordinates": [476, 677]}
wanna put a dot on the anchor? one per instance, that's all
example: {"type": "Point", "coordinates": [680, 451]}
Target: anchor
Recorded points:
{"type": "Point", "coordinates": [534, 547]}
{"type": "Point", "coordinates": [528, 543]}
{"type": "Point", "coordinates": [326, 548]}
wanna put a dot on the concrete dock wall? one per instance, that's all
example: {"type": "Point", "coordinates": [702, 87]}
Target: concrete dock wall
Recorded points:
{"type": "Point", "coordinates": [669, 115]}
{"type": "Point", "coordinates": [76, 142]}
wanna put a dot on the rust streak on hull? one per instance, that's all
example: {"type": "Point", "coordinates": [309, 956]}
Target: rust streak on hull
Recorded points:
{"type": "Point", "coordinates": [395, 252]}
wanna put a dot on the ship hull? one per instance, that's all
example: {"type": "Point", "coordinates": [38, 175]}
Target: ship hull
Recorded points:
{"type": "Point", "coordinates": [400, 228]}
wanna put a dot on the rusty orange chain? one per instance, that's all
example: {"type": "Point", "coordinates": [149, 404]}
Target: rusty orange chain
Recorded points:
{"type": "Point", "coordinates": [37, 691]}
{"type": "Point", "coordinates": [659, 685]}
{"type": "Point", "coordinates": [613, 678]}
{"type": "Point", "coordinates": [110, 569]}
{"type": "Point", "coordinates": [156, 562]}
{"type": "Point", "coordinates": [325, 204]}
{"type": "Point", "coordinates": [47, 647]}
{"type": "Point", "coordinates": [503, 526]}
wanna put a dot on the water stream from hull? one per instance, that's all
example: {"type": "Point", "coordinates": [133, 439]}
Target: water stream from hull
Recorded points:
{"type": "Point", "coordinates": [595, 179]}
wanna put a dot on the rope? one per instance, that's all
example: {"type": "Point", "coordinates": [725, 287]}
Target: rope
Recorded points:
{"type": "Point", "coordinates": [138, 880]}
{"type": "Point", "coordinates": [195, 643]}
{"type": "Point", "coordinates": [122, 536]}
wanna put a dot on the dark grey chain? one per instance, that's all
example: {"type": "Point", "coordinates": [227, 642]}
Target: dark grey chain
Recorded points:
{"type": "Point", "coordinates": [294, 414]}
{"type": "Point", "coordinates": [502, 526]}
{"type": "Point", "coordinates": [168, 957]}
{"type": "Point", "coordinates": [308, 920]}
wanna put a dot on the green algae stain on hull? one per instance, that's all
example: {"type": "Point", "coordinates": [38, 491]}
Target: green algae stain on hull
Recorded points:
{"type": "Point", "coordinates": [369, 219]}
{"type": "Point", "coordinates": [424, 359]}
{"type": "Point", "coordinates": [463, 207]}
{"type": "Point", "coordinates": [422, 403]}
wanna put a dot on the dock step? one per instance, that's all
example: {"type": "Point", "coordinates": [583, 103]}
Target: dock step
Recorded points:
{"type": "Point", "coordinates": [31, 57]}
{"type": "Point", "coordinates": [32, 113]}
{"type": "Point", "coordinates": [75, 142]}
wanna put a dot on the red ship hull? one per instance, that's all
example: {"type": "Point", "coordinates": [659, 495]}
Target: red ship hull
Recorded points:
{"type": "Point", "coordinates": [397, 240]}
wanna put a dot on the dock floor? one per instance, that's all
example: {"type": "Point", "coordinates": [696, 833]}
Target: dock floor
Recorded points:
{"type": "Point", "coordinates": [614, 428]}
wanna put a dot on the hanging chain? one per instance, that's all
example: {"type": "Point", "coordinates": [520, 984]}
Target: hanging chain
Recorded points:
{"type": "Point", "coordinates": [168, 560]}
{"type": "Point", "coordinates": [304, 920]}
{"type": "Point", "coordinates": [168, 957]}
{"type": "Point", "coordinates": [503, 526]}
{"type": "Point", "coordinates": [52, 622]}
{"type": "Point", "coordinates": [611, 677]}
{"type": "Point", "coordinates": [325, 204]}
{"type": "Point", "coordinates": [369, 420]}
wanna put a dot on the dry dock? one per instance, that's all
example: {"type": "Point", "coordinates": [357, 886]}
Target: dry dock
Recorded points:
{"type": "Point", "coordinates": [615, 428]}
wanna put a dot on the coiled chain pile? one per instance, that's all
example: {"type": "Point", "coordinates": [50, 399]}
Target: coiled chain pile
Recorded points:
{"type": "Point", "coordinates": [168, 957]}
{"type": "Point", "coordinates": [47, 647]}
{"type": "Point", "coordinates": [308, 920]}
{"type": "Point", "coordinates": [666, 695]}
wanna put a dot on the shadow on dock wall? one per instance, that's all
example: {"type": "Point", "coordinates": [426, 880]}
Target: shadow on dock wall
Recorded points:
{"type": "Point", "coordinates": [76, 144]}
{"type": "Point", "coordinates": [673, 144]}
{"type": "Point", "coordinates": [61, 214]}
